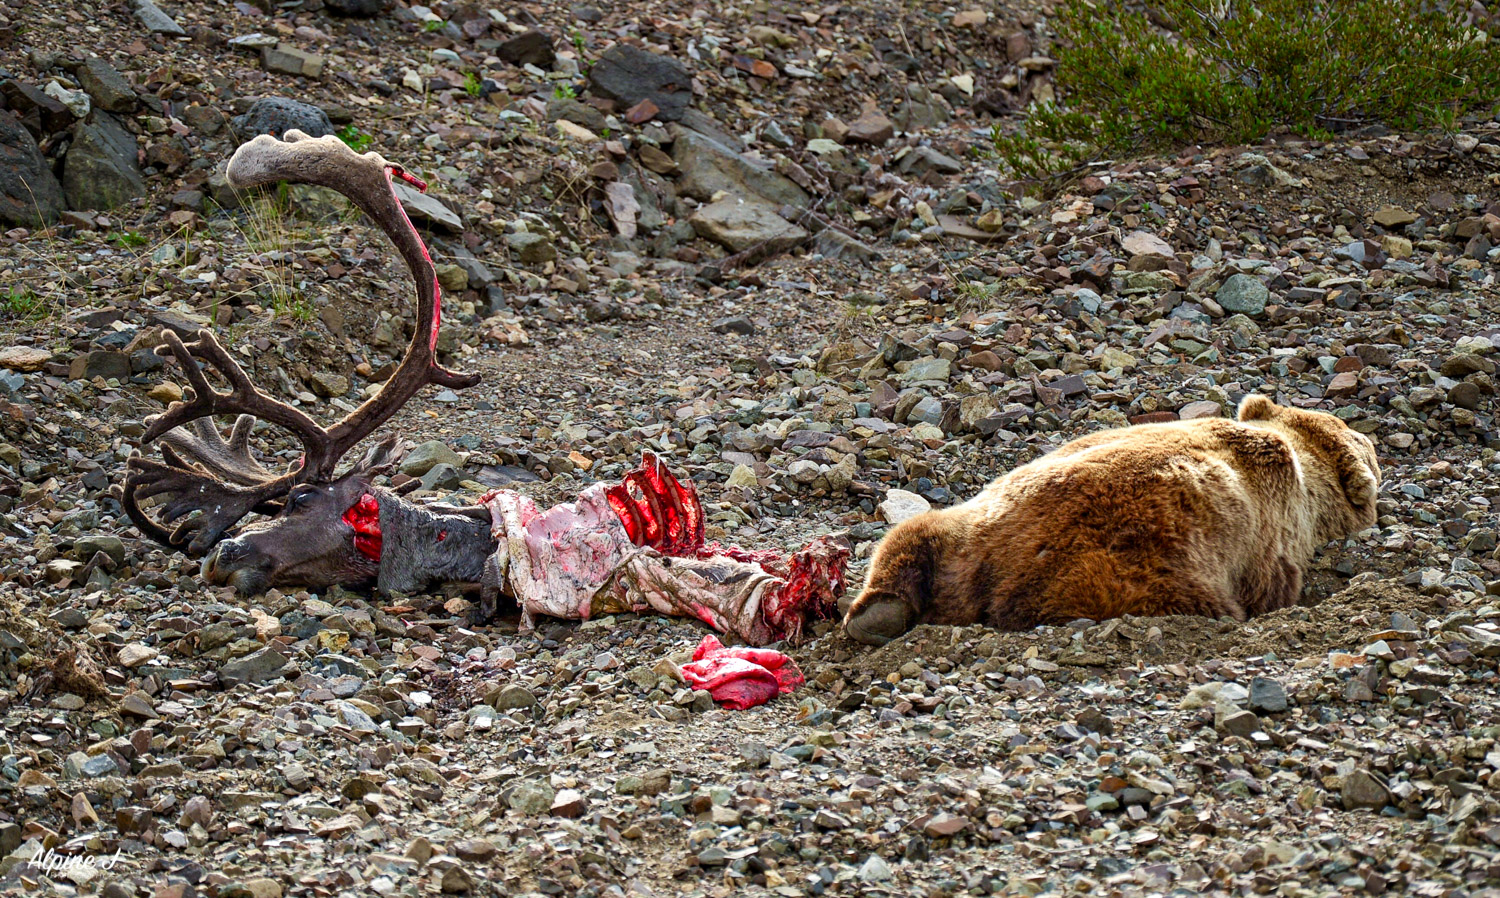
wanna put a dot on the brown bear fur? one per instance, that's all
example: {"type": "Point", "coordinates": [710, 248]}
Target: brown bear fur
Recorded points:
{"type": "Point", "coordinates": [1211, 517]}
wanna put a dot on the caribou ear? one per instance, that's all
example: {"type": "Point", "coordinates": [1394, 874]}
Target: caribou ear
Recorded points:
{"type": "Point", "coordinates": [380, 459]}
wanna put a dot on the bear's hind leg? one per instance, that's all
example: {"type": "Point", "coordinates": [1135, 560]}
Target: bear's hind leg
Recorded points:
{"type": "Point", "coordinates": [1277, 585]}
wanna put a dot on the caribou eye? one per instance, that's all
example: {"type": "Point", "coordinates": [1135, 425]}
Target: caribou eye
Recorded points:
{"type": "Point", "coordinates": [300, 500]}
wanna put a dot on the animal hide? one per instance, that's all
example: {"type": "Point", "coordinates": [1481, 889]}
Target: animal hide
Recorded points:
{"type": "Point", "coordinates": [638, 547]}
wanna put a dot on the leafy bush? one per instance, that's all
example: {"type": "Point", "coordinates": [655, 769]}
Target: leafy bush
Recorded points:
{"type": "Point", "coordinates": [23, 304]}
{"type": "Point", "coordinates": [1231, 71]}
{"type": "Point", "coordinates": [357, 140]}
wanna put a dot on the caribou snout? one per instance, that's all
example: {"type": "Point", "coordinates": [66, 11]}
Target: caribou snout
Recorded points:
{"type": "Point", "coordinates": [225, 565]}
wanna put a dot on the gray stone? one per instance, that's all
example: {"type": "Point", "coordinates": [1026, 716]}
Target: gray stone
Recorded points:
{"type": "Point", "coordinates": [927, 369]}
{"type": "Point", "coordinates": [100, 171]}
{"type": "Point", "coordinates": [1354, 252]}
{"type": "Point", "coordinates": [531, 248]}
{"type": "Point", "coordinates": [1264, 174]}
{"type": "Point", "coordinates": [355, 719]}
{"type": "Point", "coordinates": [358, 9]}
{"type": "Point", "coordinates": [1361, 789]}
{"type": "Point", "coordinates": [100, 363]}
{"type": "Point", "coordinates": [530, 48]}
{"type": "Point", "coordinates": [443, 476]}
{"type": "Point", "coordinates": [737, 324]}
{"type": "Point", "coordinates": [708, 167]}
{"type": "Point", "coordinates": [99, 765]}
{"type": "Point", "coordinates": [835, 244]}
{"type": "Point", "coordinates": [29, 193]}
{"type": "Point", "coordinates": [532, 798]}
{"type": "Point", "coordinates": [927, 409]}
{"type": "Point", "coordinates": [925, 159]}
{"type": "Point", "coordinates": [426, 456]}
{"type": "Point", "coordinates": [628, 75]}
{"type": "Point", "coordinates": [156, 21]}
{"type": "Point", "coordinates": [875, 869]}
{"type": "Point", "coordinates": [425, 207]}
{"type": "Point", "coordinates": [771, 132]}
{"type": "Point", "coordinates": [1267, 696]}
{"type": "Point", "coordinates": [479, 275]}
{"type": "Point", "coordinates": [901, 505]}
{"type": "Point", "coordinates": [1102, 801]}
{"type": "Point", "coordinates": [285, 59]}
{"type": "Point", "coordinates": [69, 618]}
{"type": "Point", "coordinates": [257, 667]}
{"type": "Point", "coordinates": [739, 225]}
{"type": "Point", "coordinates": [921, 111]}
{"type": "Point", "coordinates": [514, 697]}
{"type": "Point", "coordinates": [108, 88]}
{"type": "Point", "coordinates": [87, 546]}
{"type": "Point", "coordinates": [277, 115]}
{"type": "Point", "coordinates": [1243, 294]}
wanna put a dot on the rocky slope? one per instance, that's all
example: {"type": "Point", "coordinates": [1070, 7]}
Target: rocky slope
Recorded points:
{"type": "Point", "coordinates": [765, 242]}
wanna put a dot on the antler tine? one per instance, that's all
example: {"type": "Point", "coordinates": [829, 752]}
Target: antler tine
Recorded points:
{"type": "Point", "coordinates": [190, 489]}
{"type": "Point", "coordinates": [366, 180]}
{"type": "Point", "coordinates": [201, 442]}
{"type": "Point", "coordinates": [203, 473]}
{"type": "Point", "coordinates": [242, 396]}
{"type": "Point", "coordinates": [221, 480]}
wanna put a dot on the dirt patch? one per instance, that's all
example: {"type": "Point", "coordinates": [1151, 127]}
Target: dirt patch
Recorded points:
{"type": "Point", "coordinates": [1344, 621]}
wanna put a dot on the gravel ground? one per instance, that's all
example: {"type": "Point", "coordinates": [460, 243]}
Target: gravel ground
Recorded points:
{"type": "Point", "coordinates": [345, 743]}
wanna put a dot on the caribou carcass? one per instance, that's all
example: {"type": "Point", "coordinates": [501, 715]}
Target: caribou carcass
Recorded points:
{"type": "Point", "coordinates": [635, 545]}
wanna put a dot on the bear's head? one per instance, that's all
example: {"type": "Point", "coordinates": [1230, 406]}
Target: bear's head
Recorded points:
{"type": "Point", "coordinates": [1338, 464]}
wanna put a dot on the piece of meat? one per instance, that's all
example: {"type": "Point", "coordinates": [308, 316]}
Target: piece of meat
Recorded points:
{"type": "Point", "coordinates": [364, 517]}
{"type": "Point", "coordinates": [638, 545]}
{"type": "Point", "coordinates": [739, 677]}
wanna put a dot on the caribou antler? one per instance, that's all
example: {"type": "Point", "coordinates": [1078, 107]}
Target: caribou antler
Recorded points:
{"type": "Point", "coordinates": [222, 480]}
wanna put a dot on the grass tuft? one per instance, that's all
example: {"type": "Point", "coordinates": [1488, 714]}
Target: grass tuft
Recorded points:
{"type": "Point", "coordinates": [1233, 71]}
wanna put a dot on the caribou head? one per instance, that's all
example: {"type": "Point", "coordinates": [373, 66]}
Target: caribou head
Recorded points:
{"type": "Point", "coordinates": [324, 527]}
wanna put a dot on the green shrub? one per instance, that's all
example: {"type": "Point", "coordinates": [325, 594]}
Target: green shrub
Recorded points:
{"type": "Point", "coordinates": [23, 304]}
{"type": "Point", "coordinates": [1231, 71]}
{"type": "Point", "coordinates": [355, 139]}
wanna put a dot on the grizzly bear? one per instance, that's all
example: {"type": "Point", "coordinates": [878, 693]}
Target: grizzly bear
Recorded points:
{"type": "Point", "coordinates": [1211, 517]}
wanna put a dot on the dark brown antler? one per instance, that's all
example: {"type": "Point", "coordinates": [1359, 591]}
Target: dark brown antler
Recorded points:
{"type": "Point", "coordinates": [222, 480]}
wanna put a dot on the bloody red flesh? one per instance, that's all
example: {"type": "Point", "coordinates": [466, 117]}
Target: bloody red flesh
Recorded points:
{"type": "Point", "coordinates": [364, 517]}
{"type": "Point", "coordinates": [660, 512]}
{"type": "Point", "coordinates": [657, 510]}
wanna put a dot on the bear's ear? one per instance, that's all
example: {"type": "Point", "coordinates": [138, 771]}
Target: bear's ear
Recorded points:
{"type": "Point", "coordinates": [1256, 407]}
